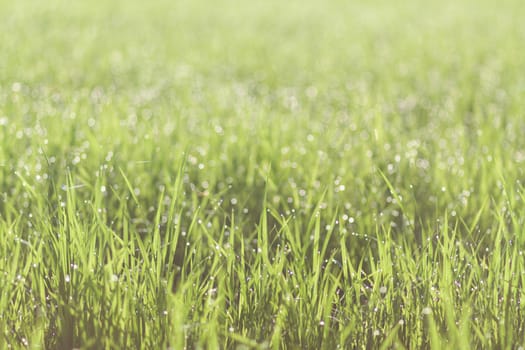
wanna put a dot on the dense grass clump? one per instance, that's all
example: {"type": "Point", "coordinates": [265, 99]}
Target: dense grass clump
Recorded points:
{"type": "Point", "coordinates": [253, 175]}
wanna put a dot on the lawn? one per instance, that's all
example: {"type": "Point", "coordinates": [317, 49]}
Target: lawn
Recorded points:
{"type": "Point", "coordinates": [262, 174]}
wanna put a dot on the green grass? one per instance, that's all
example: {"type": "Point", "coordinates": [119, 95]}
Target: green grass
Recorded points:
{"type": "Point", "coordinates": [262, 174]}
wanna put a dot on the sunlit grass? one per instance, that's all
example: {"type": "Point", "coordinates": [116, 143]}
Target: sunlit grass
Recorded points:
{"type": "Point", "coordinates": [262, 175]}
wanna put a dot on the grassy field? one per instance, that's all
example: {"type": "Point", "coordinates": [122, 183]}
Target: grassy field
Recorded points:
{"type": "Point", "coordinates": [262, 174]}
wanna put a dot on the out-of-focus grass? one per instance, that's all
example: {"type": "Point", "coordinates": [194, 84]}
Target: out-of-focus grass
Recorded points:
{"type": "Point", "coordinates": [261, 174]}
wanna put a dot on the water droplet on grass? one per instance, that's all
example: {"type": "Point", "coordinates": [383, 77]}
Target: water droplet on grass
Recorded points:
{"type": "Point", "coordinates": [16, 87]}
{"type": "Point", "coordinates": [426, 311]}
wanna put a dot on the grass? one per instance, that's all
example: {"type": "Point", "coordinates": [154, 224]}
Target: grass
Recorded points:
{"type": "Point", "coordinates": [262, 175]}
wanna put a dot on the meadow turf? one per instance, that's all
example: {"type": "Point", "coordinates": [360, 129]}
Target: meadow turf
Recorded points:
{"type": "Point", "coordinates": [262, 174]}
